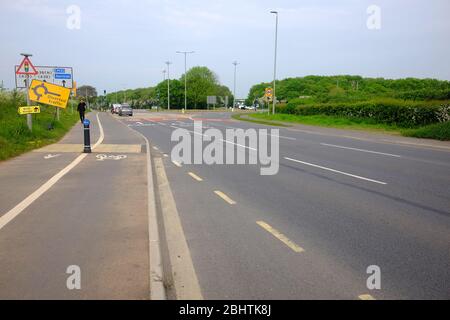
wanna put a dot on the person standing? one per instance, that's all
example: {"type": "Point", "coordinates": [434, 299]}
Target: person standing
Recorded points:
{"type": "Point", "coordinates": [81, 109]}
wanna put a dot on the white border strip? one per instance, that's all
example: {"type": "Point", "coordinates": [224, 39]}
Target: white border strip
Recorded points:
{"type": "Point", "coordinates": [362, 150]}
{"type": "Point", "coordinates": [336, 171]}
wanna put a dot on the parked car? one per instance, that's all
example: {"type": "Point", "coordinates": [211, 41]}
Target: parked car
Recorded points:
{"type": "Point", "coordinates": [125, 111]}
{"type": "Point", "coordinates": [115, 108]}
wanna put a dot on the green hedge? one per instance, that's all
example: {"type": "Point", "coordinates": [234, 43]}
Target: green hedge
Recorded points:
{"type": "Point", "coordinates": [389, 111]}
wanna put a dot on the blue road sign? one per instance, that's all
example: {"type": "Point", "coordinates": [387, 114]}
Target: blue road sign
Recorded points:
{"type": "Point", "coordinates": [86, 122]}
{"type": "Point", "coordinates": [63, 76]}
{"type": "Point", "coordinates": [59, 70]}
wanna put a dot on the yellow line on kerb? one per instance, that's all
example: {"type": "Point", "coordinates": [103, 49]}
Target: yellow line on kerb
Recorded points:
{"type": "Point", "coordinates": [194, 176]}
{"type": "Point", "coordinates": [366, 297]}
{"type": "Point", "coordinates": [225, 197]}
{"type": "Point", "coordinates": [280, 236]}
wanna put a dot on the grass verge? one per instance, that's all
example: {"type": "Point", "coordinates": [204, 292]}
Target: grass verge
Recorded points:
{"type": "Point", "coordinates": [15, 138]}
{"type": "Point", "coordinates": [440, 131]}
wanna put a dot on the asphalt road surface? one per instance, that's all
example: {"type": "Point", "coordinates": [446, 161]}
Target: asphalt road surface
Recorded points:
{"type": "Point", "coordinates": [340, 202]}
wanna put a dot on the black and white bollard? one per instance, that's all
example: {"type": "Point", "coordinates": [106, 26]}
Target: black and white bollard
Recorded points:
{"type": "Point", "coordinates": [87, 136]}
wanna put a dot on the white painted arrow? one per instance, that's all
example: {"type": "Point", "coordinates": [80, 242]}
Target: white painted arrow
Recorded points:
{"type": "Point", "coordinates": [49, 156]}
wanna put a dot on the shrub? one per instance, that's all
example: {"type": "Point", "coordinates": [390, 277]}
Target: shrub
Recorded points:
{"type": "Point", "coordinates": [388, 111]}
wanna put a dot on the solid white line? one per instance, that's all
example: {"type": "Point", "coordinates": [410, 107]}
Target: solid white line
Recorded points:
{"type": "Point", "coordinates": [157, 290]}
{"type": "Point", "coordinates": [14, 212]}
{"type": "Point", "coordinates": [102, 134]}
{"type": "Point", "coordinates": [362, 150]}
{"type": "Point", "coordinates": [336, 171]}
{"type": "Point", "coordinates": [226, 141]}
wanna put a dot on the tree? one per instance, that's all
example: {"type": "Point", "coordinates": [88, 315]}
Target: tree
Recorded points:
{"type": "Point", "coordinates": [201, 82]}
{"type": "Point", "coordinates": [87, 91]}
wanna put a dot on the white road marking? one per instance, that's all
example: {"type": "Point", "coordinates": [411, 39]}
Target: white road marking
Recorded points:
{"type": "Point", "coordinates": [226, 141]}
{"type": "Point", "coordinates": [336, 171]}
{"type": "Point", "coordinates": [14, 212]}
{"type": "Point", "coordinates": [102, 157]}
{"type": "Point", "coordinates": [362, 150]}
{"type": "Point", "coordinates": [51, 156]}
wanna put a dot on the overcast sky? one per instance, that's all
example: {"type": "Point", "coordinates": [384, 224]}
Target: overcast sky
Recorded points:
{"type": "Point", "coordinates": [124, 43]}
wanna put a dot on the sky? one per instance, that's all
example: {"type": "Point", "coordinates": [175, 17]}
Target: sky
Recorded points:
{"type": "Point", "coordinates": [125, 43]}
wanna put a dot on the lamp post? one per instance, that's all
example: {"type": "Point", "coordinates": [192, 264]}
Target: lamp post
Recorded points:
{"type": "Point", "coordinates": [185, 76]}
{"type": "Point", "coordinates": [168, 84]}
{"type": "Point", "coordinates": [235, 63]}
{"type": "Point", "coordinates": [275, 61]}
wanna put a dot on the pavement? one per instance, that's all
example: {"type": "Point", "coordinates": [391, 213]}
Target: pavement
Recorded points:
{"type": "Point", "coordinates": [341, 202]}
{"type": "Point", "coordinates": [94, 217]}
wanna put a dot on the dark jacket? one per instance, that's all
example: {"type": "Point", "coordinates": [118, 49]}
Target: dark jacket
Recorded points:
{"type": "Point", "coordinates": [81, 107]}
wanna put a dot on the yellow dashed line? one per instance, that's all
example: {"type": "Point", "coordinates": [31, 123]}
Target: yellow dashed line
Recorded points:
{"type": "Point", "coordinates": [280, 236]}
{"type": "Point", "coordinates": [366, 297]}
{"type": "Point", "coordinates": [194, 176]}
{"type": "Point", "coordinates": [224, 197]}
{"type": "Point", "coordinates": [177, 164]}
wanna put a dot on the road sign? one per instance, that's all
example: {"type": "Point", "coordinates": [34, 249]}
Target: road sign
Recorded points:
{"type": "Point", "coordinates": [211, 99]}
{"type": "Point", "coordinates": [29, 109]}
{"type": "Point", "coordinates": [48, 93]}
{"type": "Point", "coordinates": [26, 68]}
{"type": "Point", "coordinates": [61, 76]}
{"type": "Point", "coordinates": [268, 93]}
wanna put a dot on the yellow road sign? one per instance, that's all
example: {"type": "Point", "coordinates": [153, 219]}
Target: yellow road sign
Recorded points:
{"type": "Point", "coordinates": [48, 93]}
{"type": "Point", "coordinates": [268, 92]}
{"type": "Point", "coordinates": [29, 109]}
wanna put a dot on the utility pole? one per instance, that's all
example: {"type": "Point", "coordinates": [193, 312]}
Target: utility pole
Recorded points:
{"type": "Point", "coordinates": [168, 84]}
{"type": "Point", "coordinates": [275, 61]}
{"type": "Point", "coordinates": [27, 81]}
{"type": "Point", "coordinates": [185, 76]}
{"type": "Point", "coordinates": [235, 63]}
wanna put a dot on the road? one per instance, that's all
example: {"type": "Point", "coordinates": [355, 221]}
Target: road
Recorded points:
{"type": "Point", "coordinates": [340, 202]}
{"type": "Point", "coordinates": [342, 220]}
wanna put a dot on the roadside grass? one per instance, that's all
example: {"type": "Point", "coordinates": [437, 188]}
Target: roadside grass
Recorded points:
{"type": "Point", "coordinates": [15, 138]}
{"type": "Point", "coordinates": [440, 131]}
{"type": "Point", "coordinates": [243, 117]}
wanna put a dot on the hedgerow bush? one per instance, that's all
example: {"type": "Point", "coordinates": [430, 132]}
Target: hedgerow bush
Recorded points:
{"type": "Point", "coordinates": [390, 111]}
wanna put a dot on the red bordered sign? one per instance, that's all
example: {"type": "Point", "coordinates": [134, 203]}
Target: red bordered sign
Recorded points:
{"type": "Point", "coordinates": [26, 67]}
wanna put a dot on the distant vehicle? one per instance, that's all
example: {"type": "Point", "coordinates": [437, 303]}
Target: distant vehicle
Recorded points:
{"type": "Point", "coordinates": [115, 108]}
{"type": "Point", "coordinates": [125, 111]}
{"type": "Point", "coordinates": [250, 107]}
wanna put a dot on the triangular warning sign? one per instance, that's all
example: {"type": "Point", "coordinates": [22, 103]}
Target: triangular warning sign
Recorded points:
{"type": "Point", "coordinates": [26, 67]}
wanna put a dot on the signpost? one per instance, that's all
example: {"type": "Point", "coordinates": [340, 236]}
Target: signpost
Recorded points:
{"type": "Point", "coordinates": [29, 110]}
{"type": "Point", "coordinates": [26, 68]}
{"type": "Point", "coordinates": [268, 95]}
{"type": "Point", "coordinates": [62, 76]}
{"type": "Point", "coordinates": [211, 100]}
{"type": "Point", "coordinates": [48, 93]}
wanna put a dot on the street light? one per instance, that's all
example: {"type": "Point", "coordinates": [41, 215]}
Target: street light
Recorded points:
{"type": "Point", "coordinates": [185, 76]}
{"type": "Point", "coordinates": [235, 63]}
{"type": "Point", "coordinates": [168, 84]}
{"type": "Point", "coordinates": [275, 61]}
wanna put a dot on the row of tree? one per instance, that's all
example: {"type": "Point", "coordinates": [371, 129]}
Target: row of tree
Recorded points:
{"type": "Point", "coordinates": [348, 88]}
{"type": "Point", "coordinates": [201, 82]}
